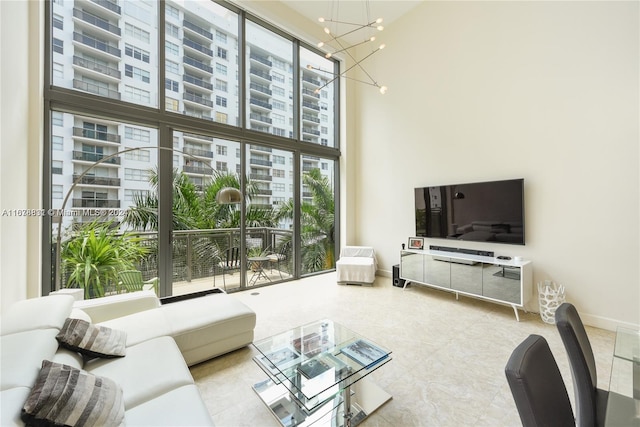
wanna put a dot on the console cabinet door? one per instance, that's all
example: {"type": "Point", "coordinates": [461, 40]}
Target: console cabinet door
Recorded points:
{"type": "Point", "coordinates": [437, 271]}
{"type": "Point", "coordinates": [412, 266]}
{"type": "Point", "coordinates": [467, 277]}
{"type": "Point", "coordinates": [502, 283]}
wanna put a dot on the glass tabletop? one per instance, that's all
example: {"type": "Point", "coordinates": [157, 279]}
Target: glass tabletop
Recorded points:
{"type": "Point", "coordinates": [627, 344]}
{"type": "Point", "coordinates": [623, 402]}
{"type": "Point", "coordinates": [318, 360]}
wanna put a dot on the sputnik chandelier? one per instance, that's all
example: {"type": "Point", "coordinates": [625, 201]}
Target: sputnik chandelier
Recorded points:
{"type": "Point", "coordinates": [338, 44]}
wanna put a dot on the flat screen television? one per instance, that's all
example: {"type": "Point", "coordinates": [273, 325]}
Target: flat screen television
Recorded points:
{"type": "Point", "coordinates": [479, 212]}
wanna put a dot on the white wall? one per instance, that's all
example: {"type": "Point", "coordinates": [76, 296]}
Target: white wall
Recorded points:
{"type": "Point", "coordinates": [545, 91]}
{"type": "Point", "coordinates": [20, 148]}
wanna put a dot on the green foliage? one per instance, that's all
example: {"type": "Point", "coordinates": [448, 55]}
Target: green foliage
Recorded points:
{"type": "Point", "coordinates": [95, 254]}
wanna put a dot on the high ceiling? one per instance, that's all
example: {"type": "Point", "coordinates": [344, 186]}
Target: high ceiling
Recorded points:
{"type": "Point", "coordinates": [356, 11]}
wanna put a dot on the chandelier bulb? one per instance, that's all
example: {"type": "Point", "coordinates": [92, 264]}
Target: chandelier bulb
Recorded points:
{"type": "Point", "coordinates": [328, 55]}
{"type": "Point", "coordinates": [320, 44]}
{"type": "Point", "coordinates": [372, 38]}
{"type": "Point", "coordinates": [309, 67]}
{"type": "Point", "coordinates": [382, 46]}
{"type": "Point", "coordinates": [317, 91]}
{"type": "Point", "coordinates": [380, 28]}
{"type": "Point", "coordinates": [383, 89]}
{"type": "Point", "coordinates": [321, 19]}
{"type": "Point", "coordinates": [379, 20]}
{"type": "Point", "coordinates": [327, 30]}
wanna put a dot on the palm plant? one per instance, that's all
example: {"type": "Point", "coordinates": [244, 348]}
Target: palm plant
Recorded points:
{"type": "Point", "coordinates": [317, 223]}
{"type": "Point", "coordinates": [95, 254]}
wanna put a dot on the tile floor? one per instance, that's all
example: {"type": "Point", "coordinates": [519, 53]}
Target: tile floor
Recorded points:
{"type": "Point", "coordinates": [448, 356]}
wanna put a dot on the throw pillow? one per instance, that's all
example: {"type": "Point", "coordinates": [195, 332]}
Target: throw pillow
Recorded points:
{"type": "Point", "coordinates": [92, 340]}
{"type": "Point", "coordinates": [66, 396]}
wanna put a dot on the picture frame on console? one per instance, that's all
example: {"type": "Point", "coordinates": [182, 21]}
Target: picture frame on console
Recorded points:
{"type": "Point", "coordinates": [416, 243]}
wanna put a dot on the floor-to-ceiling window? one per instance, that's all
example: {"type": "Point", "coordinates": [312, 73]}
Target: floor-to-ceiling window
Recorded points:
{"type": "Point", "coordinates": [136, 152]}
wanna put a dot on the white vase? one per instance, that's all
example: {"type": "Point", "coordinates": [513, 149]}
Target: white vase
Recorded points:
{"type": "Point", "coordinates": [550, 296]}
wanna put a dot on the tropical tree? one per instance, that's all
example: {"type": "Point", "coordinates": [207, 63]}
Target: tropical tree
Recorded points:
{"type": "Point", "coordinates": [95, 253]}
{"type": "Point", "coordinates": [317, 221]}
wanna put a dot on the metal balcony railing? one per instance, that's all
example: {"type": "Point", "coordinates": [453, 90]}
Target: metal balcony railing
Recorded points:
{"type": "Point", "coordinates": [94, 157]}
{"type": "Point", "coordinates": [97, 180]}
{"type": "Point", "coordinates": [97, 135]}
{"type": "Point", "coordinates": [197, 46]}
{"type": "Point", "coordinates": [108, 4]}
{"type": "Point", "coordinates": [197, 29]}
{"type": "Point", "coordinates": [187, 60]}
{"type": "Point", "coordinates": [94, 20]}
{"type": "Point", "coordinates": [94, 66]}
{"type": "Point", "coordinates": [96, 44]}
{"type": "Point", "coordinates": [96, 203]}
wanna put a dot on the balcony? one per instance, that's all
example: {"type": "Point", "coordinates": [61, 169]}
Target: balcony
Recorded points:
{"type": "Point", "coordinates": [311, 131]}
{"type": "Point", "coordinates": [96, 135]}
{"type": "Point", "coordinates": [197, 46]}
{"type": "Point", "coordinates": [310, 118]}
{"type": "Point", "coordinates": [264, 192]}
{"type": "Point", "coordinates": [260, 162]}
{"type": "Point", "coordinates": [187, 60]}
{"type": "Point", "coordinates": [97, 180]}
{"type": "Point", "coordinates": [197, 29]}
{"type": "Point", "coordinates": [97, 22]}
{"type": "Point", "coordinates": [197, 99]}
{"type": "Point", "coordinates": [94, 157]}
{"type": "Point", "coordinates": [260, 177]}
{"type": "Point", "coordinates": [200, 170]}
{"type": "Point", "coordinates": [311, 80]}
{"type": "Point", "coordinates": [311, 93]}
{"type": "Point", "coordinates": [196, 136]}
{"type": "Point", "coordinates": [95, 89]}
{"type": "Point", "coordinates": [198, 152]}
{"type": "Point", "coordinates": [96, 203]}
{"type": "Point", "coordinates": [310, 105]}
{"type": "Point", "coordinates": [259, 103]}
{"type": "Point", "coordinates": [261, 88]}
{"type": "Point", "coordinates": [197, 82]}
{"type": "Point", "coordinates": [96, 44]}
{"type": "Point", "coordinates": [261, 59]}
{"type": "Point", "coordinates": [260, 148]}
{"type": "Point", "coordinates": [94, 66]}
{"type": "Point", "coordinates": [109, 5]}
{"type": "Point", "coordinates": [261, 74]}
{"type": "Point", "coordinates": [260, 118]}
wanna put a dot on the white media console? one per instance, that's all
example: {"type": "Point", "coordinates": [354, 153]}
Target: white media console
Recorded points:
{"type": "Point", "coordinates": [499, 280]}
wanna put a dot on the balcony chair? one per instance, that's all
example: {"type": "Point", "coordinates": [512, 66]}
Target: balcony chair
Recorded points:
{"type": "Point", "coordinates": [591, 402]}
{"type": "Point", "coordinates": [281, 258]}
{"type": "Point", "coordinates": [131, 281]}
{"type": "Point", "coordinates": [230, 263]}
{"type": "Point", "coordinates": [537, 385]}
{"type": "Point", "coordinates": [357, 265]}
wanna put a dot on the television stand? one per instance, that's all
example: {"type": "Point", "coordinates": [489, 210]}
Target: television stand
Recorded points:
{"type": "Point", "coordinates": [507, 282]}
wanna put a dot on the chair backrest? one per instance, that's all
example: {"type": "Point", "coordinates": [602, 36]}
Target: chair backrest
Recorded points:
{"type": "Point", "coordinates": [537, 385]}
{"type": "Point", "coordinates": [583, 364]}
{"type": "Point", "coordinates": [131, 280]}
{"type": "Point", "coordinates": [284, 250]}
{"type": "Point", "coordinates": [232, 259]}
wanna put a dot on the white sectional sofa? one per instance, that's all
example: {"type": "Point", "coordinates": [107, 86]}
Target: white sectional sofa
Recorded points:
{"type": "Point", "coordinates": [162, 341]}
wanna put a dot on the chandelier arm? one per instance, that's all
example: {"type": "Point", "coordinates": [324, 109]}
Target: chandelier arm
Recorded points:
{"type": "Point", "coordinates": [358, 63]}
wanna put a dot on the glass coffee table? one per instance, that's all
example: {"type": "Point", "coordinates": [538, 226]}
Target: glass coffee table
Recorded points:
{"type": "Point", "coordinates": [317, 375]}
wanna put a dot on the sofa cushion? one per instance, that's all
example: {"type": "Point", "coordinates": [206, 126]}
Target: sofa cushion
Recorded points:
{"type": "Point", "coordinates": [153, 413]}
{"type": "Point", "coordinates": [63, 395]}
{"type": "Point", "coordinates": [21, 356]}
{"type": "Point", "coordinates": [150, 369]}
{"type": "Point", "coordinates": [92, 340]}
{"type": "Point", "coordinates": [37, 313]}
{"type": "Point", "coordinates": [11, 403]}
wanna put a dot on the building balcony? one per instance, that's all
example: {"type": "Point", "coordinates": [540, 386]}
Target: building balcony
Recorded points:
{"type": "Point", "coordinates": [195, 28]}
{"type": "Point", "coordinates": [264, 192]}
{"type": "Point", "coordinates": [261, 88]}
{"type": "Point", "coordinates": [196, 81]}
{"type": "Point", "coordinates": [95, 89]}
{"type": "Point", "coordinates": [187, 135]}
{"type": "Point", "coordinates": [198, 152]}
{"type": "Point", "coordinates": [261, 59]}
{"type": "Point", "coordinates": [84, 156]}
{"type": "Point", "coordinates": [260, 118]}
{"type": "Point", "coordinates": [197, 99]}
{"type": "Point", "coordinates": [307, 194]}
{"type": "Point", "coordinates": [200, 170]}
{"type": "Point", "coordinates": [109, 5]}
{"type": "Point", "coordinates": [199, 65]}
{"type": "Point", "coordinates": [260, 177]}
{"type": "Point", "coordinates": [311, 131]}
{"type": "Point", "coordinates": [310, 118]}
{"type": "Point", "coordinates": [97, 180]}
{"type": "Point", "coordinates": [197, 47]}
{"type": "Point", "coordinates": [261, 74]}
{"type": "Point", "coordinates": [95, 21]}
{"type": "Point", "coordinates": [98, 45]}
{"type": "Point", "coordinates": [98, 68]}
{"type": "Point", "coordinates": [311, 93]}
{"type": "Point", "coordinates": [311, 80]}
{"type": "Point", "coordinates": [261, 205]}
{"type": "Point", "coordinates": [198, 115]}
{"type": "Point", "coordinates": [260, 148]}
{"type": "Point", "coordinates": [260, 103]}
{"type": "Point", "coordinates": [260, 162]}
{"type": "Point", "coordinates": [311, 105]}
{"type": "Point", "coordinates": [96, 203]}
{"type": "Point", "coordinates": [95, 135]}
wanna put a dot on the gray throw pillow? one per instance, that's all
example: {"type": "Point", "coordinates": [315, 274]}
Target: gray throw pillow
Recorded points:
{"type": "Point", "coordinates": [92, 340]}
{"type": "Point", "coordinates": [66, 396]}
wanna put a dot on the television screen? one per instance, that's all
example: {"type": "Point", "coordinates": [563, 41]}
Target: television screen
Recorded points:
{"type": "Point", "coordinates": [480, 212]}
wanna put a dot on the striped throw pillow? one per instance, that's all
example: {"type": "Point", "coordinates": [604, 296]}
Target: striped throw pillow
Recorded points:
{"type": "Point", "coordinates": [66, 396]}
{"type": "Point", "coordinates": [92, 340]}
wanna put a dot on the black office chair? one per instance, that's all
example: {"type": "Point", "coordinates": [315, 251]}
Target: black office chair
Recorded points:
{"type": "Point", "coordinates": [591, 402]}
{"type": "Point", "coordinates": [537, 385]}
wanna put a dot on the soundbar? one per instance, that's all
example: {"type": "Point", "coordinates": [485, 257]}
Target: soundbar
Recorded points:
{"type": "Point", "coordinates": [462, 251]}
